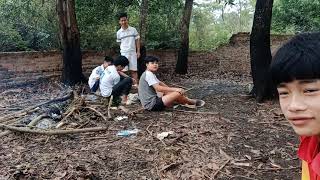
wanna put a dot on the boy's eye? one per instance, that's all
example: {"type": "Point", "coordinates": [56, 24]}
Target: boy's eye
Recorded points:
{"type": "Point", "coordinates": [283, 93]}
{"type": "Point", "coordinates": [311, 90]}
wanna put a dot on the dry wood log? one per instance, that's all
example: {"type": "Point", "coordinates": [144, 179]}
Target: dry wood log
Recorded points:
{"type": "Point", "coordinates": [26, 110]}
{"type": "Point", "coordinates": [52, 132]}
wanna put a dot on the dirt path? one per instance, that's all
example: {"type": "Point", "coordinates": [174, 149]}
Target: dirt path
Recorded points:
{"type": "Point", "coordinates": [238, 140]}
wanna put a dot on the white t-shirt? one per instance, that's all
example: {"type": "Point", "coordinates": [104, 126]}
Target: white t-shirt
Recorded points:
{"type": "Point", "coordinates": [127, 39]}
{"type": "Point", "coordinates": [151, 78]}
{"type": "Point", "coordinates": [96, 72]}
{"type": "Point", "coordinates": [110, 78]}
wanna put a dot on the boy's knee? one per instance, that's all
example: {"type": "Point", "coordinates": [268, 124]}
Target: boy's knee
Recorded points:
{"type": "Point", "coordinates": [128, 80]}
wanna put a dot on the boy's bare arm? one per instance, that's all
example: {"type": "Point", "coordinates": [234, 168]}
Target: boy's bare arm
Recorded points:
{"type": "Point", "coordinates": [163, 84]}
{"type": "Point", "coordinates": [125, 75]}
{"type": "Point", "coordinates": [138, 47]}
{"type": "Point", "coordinates": [166, 89]}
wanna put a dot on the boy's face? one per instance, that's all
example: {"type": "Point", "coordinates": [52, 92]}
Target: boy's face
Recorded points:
{"type": "Point", "coordinates": [119, 68]}
{"type": "Point", "coordinates": [152, 66]}
{"type": "Point", "coordinates": [106, 64]}
{"type": "Point", "coordinates": [300, 103]}
{"type": "Point", "coordinates": [123, 21]}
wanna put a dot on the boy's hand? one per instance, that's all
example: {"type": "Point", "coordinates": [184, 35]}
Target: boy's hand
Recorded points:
{"type": "Point", "coordinates": [180, 90]}
{"type": "Point", "coordinates": [97, 78]}
{"type": "Point", "coordinates": [134, 81]}
{"type": "Point", "coordinates": [138, 55]}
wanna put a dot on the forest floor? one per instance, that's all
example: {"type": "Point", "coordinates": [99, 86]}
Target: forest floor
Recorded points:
{"type": "Point", "coordinates": [231, 137]}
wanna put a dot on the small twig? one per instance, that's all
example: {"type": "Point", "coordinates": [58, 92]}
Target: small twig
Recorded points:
{"type": "Point", "coordinates": [245, 177]}
{"type": "Point", "coordinates": [277, 169]}
{"type": "Point", "coordinates": [36, 120]}
{"type": "Point", "coordinates": [136, 111]}
{"type": "Point", "coordinates": [171, 166]}
{"type": "Point", "coordinates": [148, 129]}
{"type": "Point", "coordinates": [109, 105]}
{"type": "Point", "coordinates": [11, 109]}
{"type": "Point", "coordinates": [197, 112]}
{"type": "Point", "coordinates": [221, 167]}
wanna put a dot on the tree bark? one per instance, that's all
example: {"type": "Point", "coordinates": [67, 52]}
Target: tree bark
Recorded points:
{"type": "Point", "coordinates": [260, 52]}
{"type": "Point", "coordinates": [70, 41]}
{"type": "Point", "coordinates": [182, 62]}
{"type": "Point", "coordinates": [143, 21]}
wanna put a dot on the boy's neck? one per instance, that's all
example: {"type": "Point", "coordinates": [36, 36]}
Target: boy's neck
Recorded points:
{"type": "Point", "coordinates": [150, 70]}
{"type": "Point", "coordinates": [124, 27]}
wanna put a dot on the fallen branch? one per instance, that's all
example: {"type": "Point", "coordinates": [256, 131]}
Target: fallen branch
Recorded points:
{"type": "Point", "coordinates": [221, 167]}
{"type": "Point", "coordinates": [99, 113]}
{"type": "Point", "coordinates": [52, 132]}
{"type": "Point", "coordinates": [109, 105]}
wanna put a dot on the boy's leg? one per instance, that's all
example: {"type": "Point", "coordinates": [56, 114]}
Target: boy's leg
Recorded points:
{"type": "Point", "coordinates": [133, 66]}
{"type": "Point", "coordinates": [170, 98]}
{"type": "Point", "coordinates": [95, 86]}
{"type": "Point", "coordinates": [122, 88]}
{"type": "Point", "coordinates": [134, 75]}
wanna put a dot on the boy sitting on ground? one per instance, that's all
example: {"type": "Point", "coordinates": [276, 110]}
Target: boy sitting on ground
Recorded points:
{"type": "Point", "coordinates": [114, 84]}
{"type": "Point", "coordinates": [97, 74]}
{"type": "Point", "coordinates": [149, 86]}
{"type": "Point", "coordinates": [296, 72]}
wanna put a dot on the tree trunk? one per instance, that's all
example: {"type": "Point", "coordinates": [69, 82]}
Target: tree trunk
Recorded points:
{"type": "Point", "coordinates": [182, 63]}
{"type": "Point", "coordinates": [260, 52]}
{"type": "Point", "coordinates": [143, 21]}
{"type": "Point", "coordinates": [70, 41]}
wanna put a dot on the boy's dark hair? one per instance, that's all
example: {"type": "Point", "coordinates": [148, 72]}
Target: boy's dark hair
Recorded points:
{"type": "Point", "coordinates": [122, 61]}
{"type": "Point", "coordinates": [151, 59]}
{"type": "Point", "coordinates": [108, 59]}
{"type": "Point", "coordinates": [297, 59]}
{"type": "Point", "coordinates": [123, 14]}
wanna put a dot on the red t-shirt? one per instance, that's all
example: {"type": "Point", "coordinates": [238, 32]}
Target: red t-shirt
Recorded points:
{"type": "Point", "coordinates": [309, 151]}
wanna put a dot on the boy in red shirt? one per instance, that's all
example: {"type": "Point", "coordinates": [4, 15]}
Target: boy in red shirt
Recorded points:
{"type": "Point", "coordinates": [295, 70]}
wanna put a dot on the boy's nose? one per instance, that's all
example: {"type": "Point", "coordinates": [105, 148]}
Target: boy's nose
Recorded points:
{"type": "Point", "coordinates": [297, 104]}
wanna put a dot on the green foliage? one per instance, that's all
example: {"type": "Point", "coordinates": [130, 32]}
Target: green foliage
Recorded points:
{"type": "Point", "coordinates": [10, 39]}
{"type": "Point", "coordinates": [28, 25]}
{"type": "Point", "coordinates": [291, 16]}
{"type": "Point", "coordinates": [32, 24]}
{"type": "Point", "coordinates": [213, 23]}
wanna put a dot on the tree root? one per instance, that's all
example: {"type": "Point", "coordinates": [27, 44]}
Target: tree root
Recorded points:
{"type": "Point", "coordinates": [52, 132]}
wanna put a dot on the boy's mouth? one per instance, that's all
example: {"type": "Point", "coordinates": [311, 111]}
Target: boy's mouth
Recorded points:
{"type": "Point", "coordinates": [300, 121]}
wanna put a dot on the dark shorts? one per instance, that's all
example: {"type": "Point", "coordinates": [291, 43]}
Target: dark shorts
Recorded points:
{"type": "Point", "coordinates": [159, 106]}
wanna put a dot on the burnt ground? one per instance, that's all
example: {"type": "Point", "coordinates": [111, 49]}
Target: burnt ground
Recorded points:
{"type": "Point", "coordinates": [237, 139]}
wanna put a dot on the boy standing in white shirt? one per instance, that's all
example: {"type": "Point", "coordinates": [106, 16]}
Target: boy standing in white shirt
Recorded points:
{"type": "Point", "coordinates": [129, 40]}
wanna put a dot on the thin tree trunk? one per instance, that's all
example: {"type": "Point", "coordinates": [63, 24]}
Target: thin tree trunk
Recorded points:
{"type": "Point", "coordinates": [260, 52]}
{"type": "Point", "coordinates": [70, 40]}
{"type": "Point", "coordinates": [182, 62]}
{"type": "Point", "coordinates": [143, 21]}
